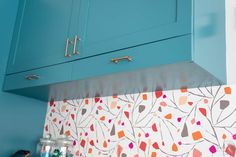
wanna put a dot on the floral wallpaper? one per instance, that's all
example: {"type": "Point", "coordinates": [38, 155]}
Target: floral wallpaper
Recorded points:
{"type": "Point", "coordinates": [198, 122]}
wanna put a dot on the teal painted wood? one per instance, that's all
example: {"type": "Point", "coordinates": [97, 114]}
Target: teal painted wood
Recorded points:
{"type": "Point", "coordinates": [40, 35]}
{"type": "Point", "coordinates": [18, 114]}
{"type": "Point", "coordinates": [43, 76]}
{"type": "Point", "coordinates": [47, 86]}
{"type": "Point", "coordinates": [119, 27]}
{"type": "Point", "coordinates": [165, 52]}
{"type": "Point", "coordinates": [108, 25]}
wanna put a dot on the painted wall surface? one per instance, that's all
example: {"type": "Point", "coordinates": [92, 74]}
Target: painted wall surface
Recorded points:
{"type": "Point", "coordinates": [187, 122]}
{"type": "Point", "coordinates": [230, 40]}
{"type": "Point", "coordinates": [22, 119]}
{"type": "Point", "coordinates": [209, 29]}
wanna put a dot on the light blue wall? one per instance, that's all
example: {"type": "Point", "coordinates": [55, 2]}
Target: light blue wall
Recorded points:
{"type": "Point", "coordinates": [21, 119]}
{"type": "Point", "coordinates": [209, 37]}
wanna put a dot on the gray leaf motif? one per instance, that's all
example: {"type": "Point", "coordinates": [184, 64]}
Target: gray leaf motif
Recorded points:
{"type": "Point", "coordinates": [62, 130]}
{"type": "Point", "coordinates": [224, 104]}
{"type": "Point", "coordinates": [113, 130]}
{"type": "Point", "coordinates": [141, 108]}
{"type": "Point", "coordinates": [83, 111]}
{"type": "Point", "coordinates": [184, 132]}
{"type": "Point", "coordinates": [160, 109]}
{"type": "Point", "coordinates": [123, 155]}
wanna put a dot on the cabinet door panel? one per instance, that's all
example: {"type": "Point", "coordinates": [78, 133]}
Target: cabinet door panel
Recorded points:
{"type": "Point", "coordinates": [40, 34]}
{"type": "Point", "coordinates": [116, 24]}
{"type": "Point", "coordinates": [156, 54]}
{"type": "Point", "coordinates": [43, 76]}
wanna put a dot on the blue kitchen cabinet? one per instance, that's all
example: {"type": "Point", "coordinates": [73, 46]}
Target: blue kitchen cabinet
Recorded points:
{"type": "Point", "coordinates": [51, 32]}
{"type": "Point", "coordinates": [109, 25]}
{"type": "Point", "coordinates": [117, 72]}
{"type": "Point", "coordinates": [41, 32]}
{"type": "Point", "coordinates": [117, 47]}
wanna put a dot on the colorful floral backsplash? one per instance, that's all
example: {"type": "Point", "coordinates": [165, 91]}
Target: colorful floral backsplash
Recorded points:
{"type": "Point", "coordinates": [197, 122]}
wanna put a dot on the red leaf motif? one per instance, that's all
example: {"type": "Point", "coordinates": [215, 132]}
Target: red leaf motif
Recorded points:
{"type": "Point", "coordinates": [155, 145]}
{"type": "Point", "coordinates": [67, 133]}
{"type": "Point", "coordinates": [97, 99]}
{"type": "Point", "coordinates": [91, 143]}
{"type": "Point", "coordinates": [231, 150]}
{"type": "Point", "coordinates": [119, 150]}
{"type": "Point", "coordinates": [203, 111]}
{"type": "Point", "coordinates": [74, 143]}
{"type": "Point", "coordinates": [65, 100]}
{"type": "Point", "coordinates": [72, 116]}
{"type": "Point", "coordinates": [92, 127]}
{"type": "Point", "coordinates": [154, 127]}
{"type": "Point", "coordinates": [197, 153]}
{"type": "Point", "coordinates": [143, 146]}
{"type": "Point", "coordinates": [190, 103]}
{"type": "Point", "coordinates": [99, 107]}
{"type": "Point", "coordinates": [77, 153]}
{"type": "Point", "coordinates": [51, 103]}
{"type": "Point", "coordinates": [126, 114]}
{"type": "Point", "coordinates": [158, 94]}
{"type": "Point", "coordinates": [54, 120]}
{"type": "Point", "coordinates": [102, 118]}
{"type": "Point", "coordinates": [46, 127]}
{"type": "Point", "coordinates": [82, 143]}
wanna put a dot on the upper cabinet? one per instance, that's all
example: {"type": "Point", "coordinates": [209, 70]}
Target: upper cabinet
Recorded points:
{"type": "Point", "coordinates": [49, 32]}
{"type": "Point", "coordinates": [85, 48]}
{"type": "Point", "coordinates": [110, 25]}
{"type": "Point", "coordinates": [41, 36]}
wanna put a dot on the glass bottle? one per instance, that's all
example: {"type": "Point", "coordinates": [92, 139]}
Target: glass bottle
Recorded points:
{"type": "Point", "coordinates": [45, 146]}
{"type": "Point", "coordinates": [63, 147]}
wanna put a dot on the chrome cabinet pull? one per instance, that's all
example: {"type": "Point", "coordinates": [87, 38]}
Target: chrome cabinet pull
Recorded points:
{"type": "Point", "coordinates": [76, 39]}
{"type": "Point", "coordinates": [32, 77]}
{"type": "Point", "coordinates": [117, 60]}
{"type": "Point", "coordinates": [68, 42]}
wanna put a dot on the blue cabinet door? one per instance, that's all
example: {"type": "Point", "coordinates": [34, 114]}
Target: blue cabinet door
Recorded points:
{"type": "Point", "coordinates": [109, 25]}
{"type": "Point", "coordinates": [157, 54]}
{"type": "Point", "coordinates": [40, 35]}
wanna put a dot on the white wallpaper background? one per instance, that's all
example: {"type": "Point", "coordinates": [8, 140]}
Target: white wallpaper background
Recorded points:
{"type": "Point", "coordinates": [198, 122]}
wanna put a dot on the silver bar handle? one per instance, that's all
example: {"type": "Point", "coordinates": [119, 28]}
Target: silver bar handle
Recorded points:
{"type": "Point", "coordinates": [117, 60]}
{"type": "Point", "coordinates": [68, 42]}
{"type": "Point", "coordinates": [76, 39]}
{"type": "Point", "coordinates": [32, 77]}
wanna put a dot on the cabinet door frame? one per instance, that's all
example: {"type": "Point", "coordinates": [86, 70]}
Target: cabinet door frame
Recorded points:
{"type": "Point", "coordinates": [59, 58]}
{"type": "Point", "coordinates": [182, 26]}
